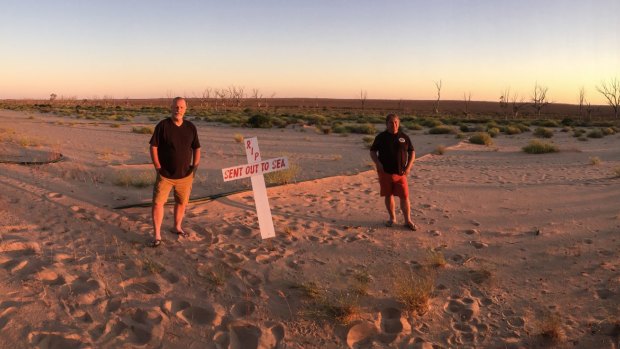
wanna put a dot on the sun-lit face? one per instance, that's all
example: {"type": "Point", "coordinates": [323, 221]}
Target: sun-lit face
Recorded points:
{"type": "Point", "coordinates": [178, 109]}
{"type": "Point", "coordinates": [393, 124]}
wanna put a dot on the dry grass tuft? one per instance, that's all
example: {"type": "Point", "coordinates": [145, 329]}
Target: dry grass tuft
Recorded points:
{"type": "Point", "coordinates": [435, 258]}
{"type": "Point", "coordinates": [538, 147]}
{"type": "Point", "coordinates": [550, 327]}
{"type": "Point", "coordinates": [440, 150]}
{"type": "Point", "coordinates": [142, 130]}
{"type": "Point", "coordinates": [481, 138]}
{"type": "Point", "coordinates": [284, 176]}
{"type": "Point", "coordinates": [141, 179]}
{"type": "Point", "coordinates": [595, 160]}
{"type": "Point", "coordinates": [414, 289]}
{"type": "Point", "coordinates": [238, 137]}
{"type": "Point", "coordinates": [616, 172]}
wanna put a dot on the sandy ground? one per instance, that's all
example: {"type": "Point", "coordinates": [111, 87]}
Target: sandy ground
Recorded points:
{"type": "Point", "coordinates": [530, 245]}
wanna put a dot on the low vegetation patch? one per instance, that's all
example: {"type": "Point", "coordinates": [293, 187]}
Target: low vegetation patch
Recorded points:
{"type": "Point", "coordinates": [442, 129]}
{"type": "Point", "coordinates": [550, 327]}
{"type": "Point", "coordinates": [595, 160]}
{"type": "Point", "coordinates": [481, 138]}
{"type": "Point", "coordinates": [141, 179]}
{"type": "Point", "coordinates": [284, 176]}
{"type": "Point", "coordinates": [543, 132]}
{"type": "Point", "coordinates": [368, 140]}
{"type": "Point", "coordinates": [538, 147]}
{"type": "Point", "coordinates": [616, 172]}
{"type": "Point", "coordinates": [414, 289]}
{"type": "Point", "coordinates": [142, 130]}
{"type": "Point", "coordinates": [440, 150]}
{"type": "Point", "coordinates": [597, 133]}
{"type": "Point", "coordinates": [238, 137]}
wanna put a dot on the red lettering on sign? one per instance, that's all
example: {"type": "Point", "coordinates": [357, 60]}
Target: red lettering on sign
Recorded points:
{"type": "Point", "coordinates": [248, 144]}
{"type": "Point", "coordinates": [265, 166]}
{"type": "Point", "coordinates": [277, 163]}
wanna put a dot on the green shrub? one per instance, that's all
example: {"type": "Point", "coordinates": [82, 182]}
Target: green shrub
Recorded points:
{"type": "Point", "coordinates": [608, 131]}
{"type": "Point", "coordinates": [142, 130]}
{"type": "Point", "coordinates": [442, 129]}
{"type": "Point", "coordinates": [493, 132]}
{"type": "Point", "coordinates": [543, 132]}
{"type": "Point", "coordinates": [482, 138]}
{"type": "Point", "coordinates": [260, 121]}
{"type": "Point", "coordinates": [430, 122]}
{"type": "Point", "coordinates": [464, 128]}
{"type": "Point", "coordinates": [578, 132]}
{"type": "Point", "coordinates": [538, 147]}
{"type": "Point", "coordinates": [596, 133]}
{"type": "Point", "coordinates": [512, 130]}
{"type": "Point", "coordinates": [368, 129]}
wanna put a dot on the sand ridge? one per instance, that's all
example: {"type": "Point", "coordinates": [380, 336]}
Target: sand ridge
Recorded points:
{"type": "Point", "coordinates": [525, 239]}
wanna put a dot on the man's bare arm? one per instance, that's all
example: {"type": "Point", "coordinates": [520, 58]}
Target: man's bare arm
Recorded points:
{"type": "Point", "coordinates": [410, 162]}
{"type": "Point", "coordinates": [155, 158]}
{"type": "Point", "coordinates": [196, 157]}
{"type": "Point", "coordinates": [375, 159]}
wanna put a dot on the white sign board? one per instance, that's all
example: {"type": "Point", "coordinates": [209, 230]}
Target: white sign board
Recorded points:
{"type": "Point", "coordinates": [255, 169]}
{"type": "Point", "coordinates": [260, 168]}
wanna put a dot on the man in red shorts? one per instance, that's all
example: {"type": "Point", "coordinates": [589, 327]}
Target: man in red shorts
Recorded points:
{"type": "Point", "coordinates": [393, 154]}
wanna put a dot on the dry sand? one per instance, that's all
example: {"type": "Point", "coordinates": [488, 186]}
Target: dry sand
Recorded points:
{"type": "Point", "coordinates": [529, 241]}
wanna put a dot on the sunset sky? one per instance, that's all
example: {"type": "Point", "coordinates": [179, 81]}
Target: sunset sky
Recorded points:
{"type": "Point", "coordinates": [312, 48]}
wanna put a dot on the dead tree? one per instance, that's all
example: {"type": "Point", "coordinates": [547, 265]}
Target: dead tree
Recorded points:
{"type": "Point", "coordinates": [582, 99]}
{"type": "Point", "coordinates": [504, 101]}
{"type": "Point", "coordinates": [467, 99]}
{"type": "Point", "coordinates": [206, 94]}
{"type": "Point", "coordinates": [256, 95]}
{"type": "Point", "coordinates": [363, 96]}
{"type": "Point", "coordinates": [611, 91]}
{"type": "Point", "coordinates": [539, 98]}
{"type": "Point", "coordinates": [517, 104]}
{"type": "Point", "coordinates": [436, 105]}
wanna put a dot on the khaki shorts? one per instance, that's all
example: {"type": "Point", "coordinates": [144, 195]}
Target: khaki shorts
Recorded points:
{"type": "Point", "coordinates": [182, 189]}
{"type": "Point", "coordinates": [393, 184]}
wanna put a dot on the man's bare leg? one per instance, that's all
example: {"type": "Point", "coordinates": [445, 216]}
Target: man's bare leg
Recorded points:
{"type": "Point", "coordinates": [179, 213]}
{"type": "Point", "coordinates": [405, 206]}
{"type": "Point", "coordinates": [158, 217]}
{"type": "Point", "coordinates": [389, 204]}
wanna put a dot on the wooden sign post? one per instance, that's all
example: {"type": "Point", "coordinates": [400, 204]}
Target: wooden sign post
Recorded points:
{"type": "Point", "coordinates": [255, 169]}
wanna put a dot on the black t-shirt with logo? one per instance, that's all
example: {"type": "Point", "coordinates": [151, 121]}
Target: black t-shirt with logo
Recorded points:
{"type": "Point", "coordinates": [175, 146]}
{"type": "Point", "coordinates": [394, 151]}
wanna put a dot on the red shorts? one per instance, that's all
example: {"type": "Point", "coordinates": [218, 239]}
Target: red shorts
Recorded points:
{"type": "Point", "coordinates": [393, 184]}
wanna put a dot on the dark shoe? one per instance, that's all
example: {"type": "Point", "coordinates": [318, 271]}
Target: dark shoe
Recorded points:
{"type": "Point", "coordinates": [389, 223]}
{"type": "Point", "coordinates": [155, 243]}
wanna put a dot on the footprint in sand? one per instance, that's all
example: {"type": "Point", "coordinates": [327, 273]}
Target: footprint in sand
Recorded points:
{"type": "Point", "coordinates": [361, 334]}
{"type": "Point", "coordinates": [392, 324]}
{"type": "Point", "coordinates": [51, 278]}
{"type": "Point", "coordinates": [479, 244]}
{"type": "Point", "coordinates": [55, 195]}
{"type": "Point", "coordinates": [244, 335]}
{"type": "Point", "coordinates": [243, 309]}
{"type": "Point", "coordinates": [51, 340]}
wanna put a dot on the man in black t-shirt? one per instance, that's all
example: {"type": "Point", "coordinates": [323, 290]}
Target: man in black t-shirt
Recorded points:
{"type": "Point", "coordinates": [175, 151]}
{"type": "Point", "coordinates": [393, 154]}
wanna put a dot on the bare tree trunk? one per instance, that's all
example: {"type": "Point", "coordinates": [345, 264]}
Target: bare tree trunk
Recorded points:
{"type": "Point", "coordinates": [436, 106]}
{"type": "Point", "coordinates": [539, 98]}
{"type": "Point", "coordinates": [611, 92]}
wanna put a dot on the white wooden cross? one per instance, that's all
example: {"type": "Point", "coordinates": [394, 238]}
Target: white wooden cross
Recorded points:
{"type": "Point", "coordinates": [255, 169]}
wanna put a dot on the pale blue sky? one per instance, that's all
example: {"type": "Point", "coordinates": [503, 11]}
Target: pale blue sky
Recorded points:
{"type": "Point", "coordinates": [320, 48]}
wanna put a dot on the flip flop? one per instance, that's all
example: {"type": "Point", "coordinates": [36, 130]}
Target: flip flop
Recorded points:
{"type": "Point", "coordinates": [181, 233]}
{"type": "Point", "coordinates": [155, 243]}
{"type": "Point", "coordinates": [411, 226]}
{"type": "Point", "coordinates": [389, 223]}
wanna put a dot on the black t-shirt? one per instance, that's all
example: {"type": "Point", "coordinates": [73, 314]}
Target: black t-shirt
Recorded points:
{"type": "Point", "coordinates": [394, 151]}
{"type": "Point", "coordinates": [175, 145]}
